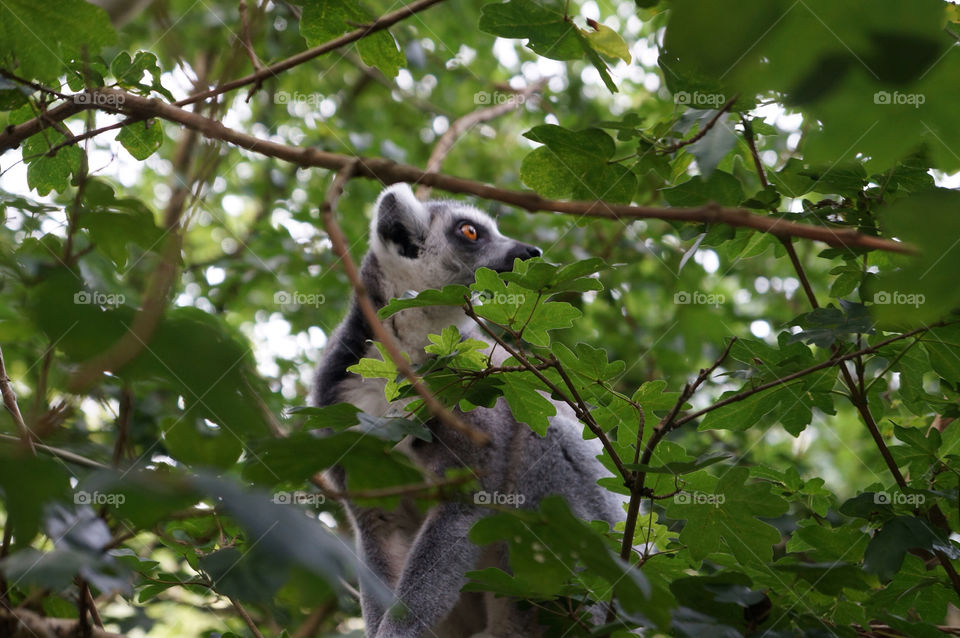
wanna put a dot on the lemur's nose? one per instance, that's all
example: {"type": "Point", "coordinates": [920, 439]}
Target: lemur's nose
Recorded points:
{"type": "Point", "coordinates": [526, 251]}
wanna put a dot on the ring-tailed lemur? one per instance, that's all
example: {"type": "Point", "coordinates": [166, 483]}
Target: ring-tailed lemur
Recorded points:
{"type": "Point", "coordinates": [423, 559]}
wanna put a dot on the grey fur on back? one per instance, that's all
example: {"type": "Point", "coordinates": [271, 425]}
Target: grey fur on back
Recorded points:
{"type": "Point", "coordinates": [423, 559]}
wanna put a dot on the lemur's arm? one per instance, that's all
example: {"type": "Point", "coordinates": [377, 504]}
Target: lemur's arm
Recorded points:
{"type": "Point", "coordinates": [434, 571]}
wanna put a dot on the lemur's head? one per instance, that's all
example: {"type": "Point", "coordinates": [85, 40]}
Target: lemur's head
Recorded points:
{"type": "Point", "coordinates": [431, 244]}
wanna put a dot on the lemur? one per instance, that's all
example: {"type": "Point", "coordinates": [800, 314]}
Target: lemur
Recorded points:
{"type": "Point", "coordinates": [423, 558]}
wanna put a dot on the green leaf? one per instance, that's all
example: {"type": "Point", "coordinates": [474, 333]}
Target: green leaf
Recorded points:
{"type": "Point", "coordinates": [338, 416]}
{"type": "Point", "coordinates": [37, 38]}
{"type": "Point", "coordinates": [526, 403]}
{"type": "Point", "coordinates": [824, 326]}
{"type": "Point", "coordinates": [452, 295]}
{"type": "Point", "coordinates": [49, 173]}
{"type": "Point", "coordinates": [324, 20]}
{"type": "Point", "coordinates": [721, 188]}
{"type": "Point", "coordinates": [141, 139]}
{"type": "Point", "coordinates": [544, 25]}
{"type": "Point", "coordinates": [198, 445]}
{"type": "Point", "coordinates": [728, 511]}
{"type": "Point", "coordinates": [943, 347]}
{"type": "Point", "coordinates": [681, 467]}
{"type": "Point", "coordinates": [575, 165]}
{"type": "Point", "coordinates": [923, 289]}
{"type": "Point", "coordinates": [884, 555]}
{"type": "Point", "coordinates": [605, 40]}
{"type": "Point", "coordinates": [547, 545]}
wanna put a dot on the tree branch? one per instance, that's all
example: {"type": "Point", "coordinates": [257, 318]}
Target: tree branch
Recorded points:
{"type": "Point", "coordinates": [667, 423]}
{"type": "Point", "coordinates": [579, 408]}
{"type": "Point", "coordinates": [706, 129]}
{"type": "Point", "coordinates": [381, 23]}
{"type": "Point", "coordinates": [436, 408]}
{"type": "Point", "coordinates": [390, 172]}
{"type": "Point", "coordinates": [63, 455]}
{"type": "Point", "coordinates": [10, 403]}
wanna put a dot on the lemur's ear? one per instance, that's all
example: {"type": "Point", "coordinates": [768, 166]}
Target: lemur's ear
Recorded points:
{"type": "Point", "coordinates": [399, 219]}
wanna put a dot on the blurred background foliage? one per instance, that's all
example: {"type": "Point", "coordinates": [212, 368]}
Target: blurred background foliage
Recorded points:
{"type": "Point", "coordinates": [852, 108]}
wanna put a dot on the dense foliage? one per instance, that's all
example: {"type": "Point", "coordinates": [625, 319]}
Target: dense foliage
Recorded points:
{"type": "Point", "coordinates": [778, 411]}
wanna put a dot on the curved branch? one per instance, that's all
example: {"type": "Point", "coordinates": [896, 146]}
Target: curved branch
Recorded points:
{"type": "Point", "coordinates": [390, 172]}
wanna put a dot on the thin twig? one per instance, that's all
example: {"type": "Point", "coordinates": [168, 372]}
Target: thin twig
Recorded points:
{"type": "Point", "coordinates": [63, 455]}
{"type": "Point", "coordinates": [832, 361]}
{"type": "Point", "coordinates": [436, 408]}
{"type": "Point", "coordinates": [10, 402]}
{"type": "Point", "coordinates": [248, 46]}
{"type": "Point", "coordinates": [463, 124]}
{"type": "Point", "coordinates": [752, 144]}
{"type": "Point", "coordinates": [246, 617]}
{"type": "Point", "coordinates": [581, 413]}
{"type": "Point", "coordinates": [860, 401]}
{"type": "Point", "coordinates": [666, 425]}
{"type": "Point", "coordinates": [706, 129]}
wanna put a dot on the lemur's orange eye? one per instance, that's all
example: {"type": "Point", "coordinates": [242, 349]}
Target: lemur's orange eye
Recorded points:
{"type": "Point", "coordinates": [469, 231]}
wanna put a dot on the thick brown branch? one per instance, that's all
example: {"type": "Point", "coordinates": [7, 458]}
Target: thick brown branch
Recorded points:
{"type": "Point", "coordinates": [436, 408]}
{"type": "Point", "coordinates": [390, 172]}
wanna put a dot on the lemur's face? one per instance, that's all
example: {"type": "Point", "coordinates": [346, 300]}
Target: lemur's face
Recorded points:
{"type": "Point", "coordinates": [432, 244]}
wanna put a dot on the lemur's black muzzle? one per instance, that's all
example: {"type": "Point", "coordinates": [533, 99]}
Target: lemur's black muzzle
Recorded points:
{"type": "Point", "coordinates": [521, 252]}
